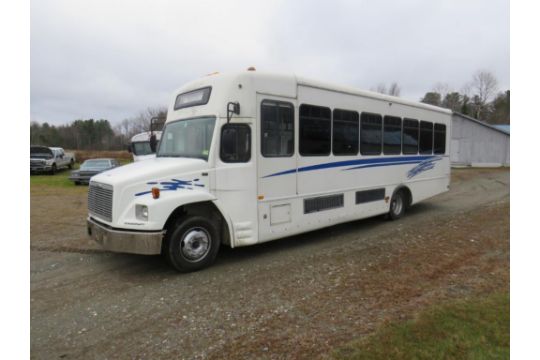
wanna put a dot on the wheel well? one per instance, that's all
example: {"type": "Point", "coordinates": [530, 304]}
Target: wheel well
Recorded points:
{"type": "Point", "coordinates": [407, 192]}
{"type": "Point", "coordinates": [207, 209]}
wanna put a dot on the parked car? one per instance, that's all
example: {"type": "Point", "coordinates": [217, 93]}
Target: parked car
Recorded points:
{"type": "Point", "coordinates": [90, 168]}
{"type": "Point", "coordinates": [49, 159]}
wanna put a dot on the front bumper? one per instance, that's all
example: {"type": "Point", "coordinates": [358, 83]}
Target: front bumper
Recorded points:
{"type": "Point", "coordinates": [40, 168]}
{"type": "Point", "coordinates": [125, 241]}
{"type": "Point", "coordinates": [82, 179]}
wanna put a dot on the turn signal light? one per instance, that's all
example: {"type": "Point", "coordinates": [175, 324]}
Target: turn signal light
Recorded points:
{"type": "Point", "coordinates": [155, 193]}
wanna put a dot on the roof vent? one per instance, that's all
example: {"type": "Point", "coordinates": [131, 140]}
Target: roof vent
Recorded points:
{"type": "Point", "coordinates": [251, 68]}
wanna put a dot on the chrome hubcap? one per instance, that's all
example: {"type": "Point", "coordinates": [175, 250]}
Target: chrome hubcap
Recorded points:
{"type": "Point", "coordinates": [397, 205]}
{"type": "Point", "coordinates": [195, 244]}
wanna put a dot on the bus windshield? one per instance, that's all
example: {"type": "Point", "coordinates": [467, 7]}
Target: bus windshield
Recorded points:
{"type": "Point", "coordinates": [187, 138]}
{"type": "Point", "coordinates": [142, 148]}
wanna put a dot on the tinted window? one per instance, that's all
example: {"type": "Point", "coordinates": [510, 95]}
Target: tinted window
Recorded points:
{"type": "Point", "coordinates": [345, 132]}
{"type": "Point", "coordinates": [141, 148]}
{"type": "Point", "coordinates": [235, 143]}
{"type": "Point", "coordinates": [314, 130]}
{"type": "Point", "coordinates": [392, 135]}
{"type": "Point", "coordinates": [192, 98]}
{"type": "Point", "coordinates": [370, 134]}
{"type": "Point", "coordinates": [410, 136]}
{"type": "Point", "coordinates": [277, 129]}
{"type": "Point", "coordinates": [439, 139]}
{"type": "Point", "coordinates": [426, 137]}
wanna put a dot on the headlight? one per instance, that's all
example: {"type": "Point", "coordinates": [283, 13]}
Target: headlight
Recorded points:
{"type": "Point", "coordinates": [49, 162]}
{"type": "Point", "coordinates": [141, 212]}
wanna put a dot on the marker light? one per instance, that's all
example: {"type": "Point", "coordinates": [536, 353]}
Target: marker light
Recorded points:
{"type": "Point", "coordinates": [155, 193]}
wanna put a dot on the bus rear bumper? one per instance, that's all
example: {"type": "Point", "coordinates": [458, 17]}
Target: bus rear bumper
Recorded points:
{"type": "Point", "coordinates": [125, 241]}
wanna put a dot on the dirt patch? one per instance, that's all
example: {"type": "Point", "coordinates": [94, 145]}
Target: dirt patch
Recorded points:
{"type": "Point", "coordinates": [364, 287]}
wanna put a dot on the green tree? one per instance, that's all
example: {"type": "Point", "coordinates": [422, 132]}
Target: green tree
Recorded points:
{"type": "Point", "coordinates": [452, 101]}
{"type": "Point", "coordinates": [432, 98]}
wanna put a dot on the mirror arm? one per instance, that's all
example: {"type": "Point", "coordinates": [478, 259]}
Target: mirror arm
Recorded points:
{"type": "Point", "coordinates": [232, 108]}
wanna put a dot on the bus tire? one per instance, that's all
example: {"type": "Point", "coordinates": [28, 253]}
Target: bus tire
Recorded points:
{"type": "Point", "coordinates": [397, 205]}
{"type": "Point", "coordinates": [193, 244]}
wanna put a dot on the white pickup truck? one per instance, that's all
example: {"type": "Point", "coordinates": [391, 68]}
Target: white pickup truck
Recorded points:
{"type": "Point", "coordinates": [49, 159]}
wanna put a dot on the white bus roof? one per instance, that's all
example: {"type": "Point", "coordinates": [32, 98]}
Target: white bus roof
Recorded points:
{"type": "Point", "coordinates": [145, 136]}
{"type": "Point", "coordinates": [239, 86]}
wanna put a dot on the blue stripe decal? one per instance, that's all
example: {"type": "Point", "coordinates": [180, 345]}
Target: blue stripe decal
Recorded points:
{"type": "Point", "coordinates": [173, 185]}
{"type": "Point", "coordinates": [359, 164]}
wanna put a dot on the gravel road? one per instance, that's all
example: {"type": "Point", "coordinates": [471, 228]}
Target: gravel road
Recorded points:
{"type": "Point", "coordinates": [298, 297]}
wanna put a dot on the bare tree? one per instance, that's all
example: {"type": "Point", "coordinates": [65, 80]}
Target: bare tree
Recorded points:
{"type": "Point", "coordinates": [380, 88]}
{"type": "Point", "coordinates": [394, 90]}
{"type": "Point", "coordinates": [484, 85]}
{"type": "Point", "coordinates": [141, 122]}
{"type": "Point", "coordinates": [442, 88]}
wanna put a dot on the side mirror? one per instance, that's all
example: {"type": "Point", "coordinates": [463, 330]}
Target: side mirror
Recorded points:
{"type": "Point", "coordinates": [232, 108]}
{"type": "Point", "coordinates": [153, 143]}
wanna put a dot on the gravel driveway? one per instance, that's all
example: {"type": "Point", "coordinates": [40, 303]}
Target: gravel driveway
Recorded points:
{"type": "Point", "coordinates": [299, 297]}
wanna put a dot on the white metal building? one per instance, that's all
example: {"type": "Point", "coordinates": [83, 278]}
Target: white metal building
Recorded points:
{"type": "Point", "coordinates": [475, 143]}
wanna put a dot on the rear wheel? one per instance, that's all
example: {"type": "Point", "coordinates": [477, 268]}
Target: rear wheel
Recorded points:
{"type": "Point", "coordinates": [397, 205]}
{"type": "Point", "coordinates": [193, 244]}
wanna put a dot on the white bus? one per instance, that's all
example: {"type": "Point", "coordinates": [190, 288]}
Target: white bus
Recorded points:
{"type": "Point", "coordinates": [251, 157]}
{"type": "Point", "coordinates": [140, 145]}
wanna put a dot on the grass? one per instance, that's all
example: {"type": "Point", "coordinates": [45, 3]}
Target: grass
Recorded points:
{"type": "Point", "coordinates": [467, 329]}
{"type": "Point", "coordinates": [61, 178]}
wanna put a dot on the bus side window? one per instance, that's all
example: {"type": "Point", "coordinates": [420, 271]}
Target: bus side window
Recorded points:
{"type": "Point", "coordinates": [370, 134]}
{"type": "Point", "coordinates": [345, 132]}
{"type": "Point", "coordinates": [315, 130]}
{"type": "Point", "coordinates": [277, 129]}
{"type": "Point", "coordinates": [439, 139]}
{"type": "Point", "coordinates": [410, 136]}
{"type": "Point", "coordinates": [235, 143]}
{"type": "Point", "coordinates": [392, 135]}
{"type": "Point", "coordinates": [426, 137]}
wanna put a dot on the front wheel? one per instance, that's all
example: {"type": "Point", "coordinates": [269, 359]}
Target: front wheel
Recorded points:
{"type": "Point", "coordinates": [193, 244]}
{"type": "Point", "coordinates": [71, 164]}
{"type": "Point", "coordinates": [397, 205]}
{"type": "Point", "coordinates": [53, 169]}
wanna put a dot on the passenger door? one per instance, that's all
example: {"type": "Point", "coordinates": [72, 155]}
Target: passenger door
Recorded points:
{"type": "Point", "coordinates": [276, 163]}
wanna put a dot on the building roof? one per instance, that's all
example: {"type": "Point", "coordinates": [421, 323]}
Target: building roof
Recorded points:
{"type": "Point", "coordinates": [505, 128]}
{"type": "Point", "coordinates": [493, 127]}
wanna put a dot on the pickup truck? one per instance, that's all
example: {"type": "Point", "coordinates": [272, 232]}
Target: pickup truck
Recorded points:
{"type": "Point", "coordinates": [49, 159]}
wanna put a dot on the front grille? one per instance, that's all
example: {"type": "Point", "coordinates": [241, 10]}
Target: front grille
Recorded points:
{"type": "Point", "coordinates": [100, 200]}
{"type": "Point", "coordinates": [37, 162]}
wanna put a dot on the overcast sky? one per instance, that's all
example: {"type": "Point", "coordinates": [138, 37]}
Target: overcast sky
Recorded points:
{"type": "Point", "coordinates": [112, 59]}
